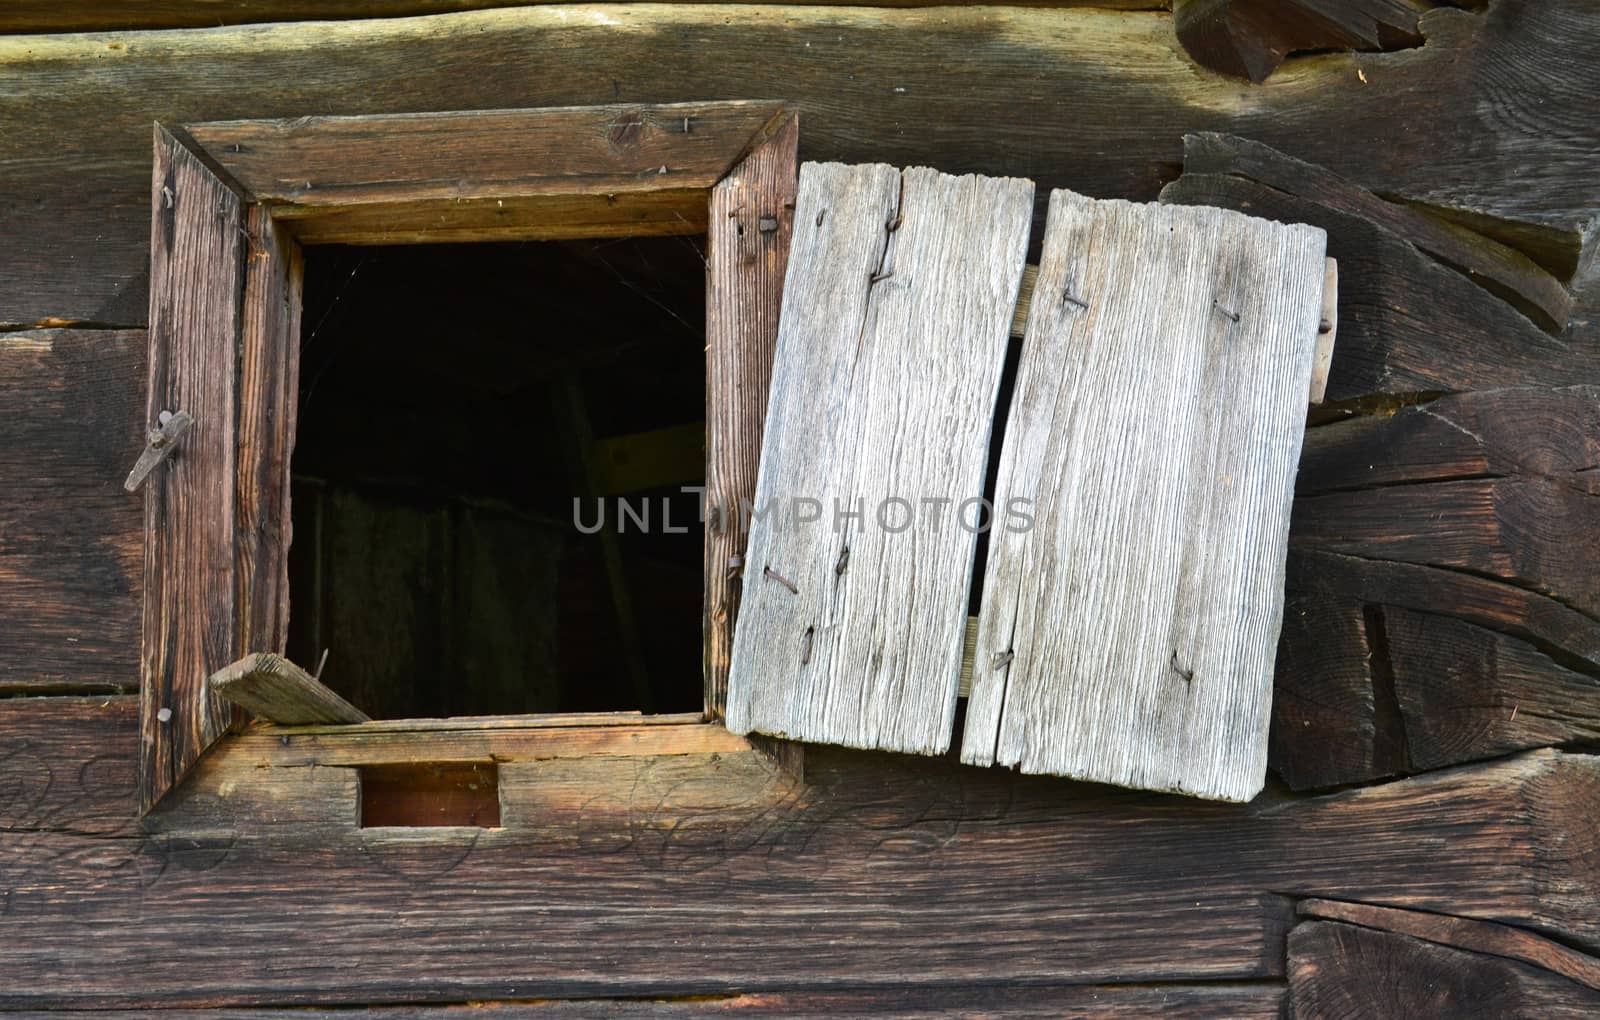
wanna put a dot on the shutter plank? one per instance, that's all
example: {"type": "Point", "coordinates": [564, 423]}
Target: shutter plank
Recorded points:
{"type": "Point", "coordinates": [1128, 637]}
{"type": "Point", "coordinates": [189, 626]}
{"type": "Point", "coordinates": [896, 312]}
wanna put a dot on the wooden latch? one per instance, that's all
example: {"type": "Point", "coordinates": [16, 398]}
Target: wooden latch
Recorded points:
{"type": "Point", "coordinates": [158, 447]}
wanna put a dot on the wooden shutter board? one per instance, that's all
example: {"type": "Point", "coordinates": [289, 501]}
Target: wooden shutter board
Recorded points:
{"type": "Point", "coordinates": [1128, 637]}
{"type": "Point", "coordinates": [275, 689]}
{"type": "Point", "coordinates": [189, 600]}
{"type": "Point", "coordinates": [894, 331]}
{"type": "Point", "coordinates": [751, 222]}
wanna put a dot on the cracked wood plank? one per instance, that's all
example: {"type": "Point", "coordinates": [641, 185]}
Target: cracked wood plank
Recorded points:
{"type": "Point", "coordinates": [1362, 691]}
{"type": "Point", "coordinates": [1526, 431]}
{"type": "Point", "coordinates": [896, 314]}
{"type": "Point", "coordinates": [190, 629]}
{"type": "Point", "coordinates": [1340, 970]}
{"type": "Point", "coordinates": [1161, 394]}
{"type": "Point", "coordinates": [1537, 532]}
{"type": "Point", "coordinates": [1498, 268]}
{"type": "Point", "coordinates": [1407, 323]}
{"type": "Point", "coordinates": [1464, 933]}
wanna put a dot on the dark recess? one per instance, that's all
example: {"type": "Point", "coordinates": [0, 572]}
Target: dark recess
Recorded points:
{"type": "Point", "coordinates": [445, 393]}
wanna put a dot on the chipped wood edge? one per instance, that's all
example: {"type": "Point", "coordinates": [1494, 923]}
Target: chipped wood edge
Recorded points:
{"type": "Point", "coordinates": [273, 688]}
{"type": "Point", "coordinates": [1327, 329]}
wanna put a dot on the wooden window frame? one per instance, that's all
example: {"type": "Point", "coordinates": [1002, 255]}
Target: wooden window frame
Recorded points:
{"type": "Point", "coordinates": [232, 203]}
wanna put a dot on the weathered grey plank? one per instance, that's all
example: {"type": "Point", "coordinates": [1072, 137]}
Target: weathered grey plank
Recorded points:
{"type": "Point", "coordinates": [1128, 635]}
{"type": "Point", "coordinates": [896, 314]}
{"type": "Point", "coordinates": [275, 689]}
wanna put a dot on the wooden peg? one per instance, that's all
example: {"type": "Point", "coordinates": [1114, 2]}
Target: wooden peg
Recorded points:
{"type": "Point", "coordinates": [158, 447]}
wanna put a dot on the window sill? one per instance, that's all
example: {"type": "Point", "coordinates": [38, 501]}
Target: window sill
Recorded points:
{"type": "Point", "coordinates": [487, 739]}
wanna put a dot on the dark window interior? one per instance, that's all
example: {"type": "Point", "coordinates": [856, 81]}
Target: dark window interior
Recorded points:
{"type": "Point", "coordinates": [454, 400]}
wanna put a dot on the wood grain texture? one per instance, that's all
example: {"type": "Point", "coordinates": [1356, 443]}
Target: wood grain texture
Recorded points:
{"type": "Point", "coordinates": [1161, 394]}
{"type": "Point", "coordinates": [896, 316]}
{"type": "Point", "coordinates": [45, 16]}
{"type": "Point", "coordinates": [1349, 697]}
{"type": "Point", "coordinates": [463, 740]}
{"type": "Point", "coordinates": [1541, 533]}
{"type": "Point", "coordinates": [1525, 431]}
{"type": "Point", "coordinates": [1464, 933]}
{"type": "Point", "coordinates": [72, 414]}
{"type": "Point", "coordinates": [492, 173]}
{"type": "Point", "coordinates": [1251, 38]}
{"type": "Point", "coordinates": [1220, 1001]}
{"type": "Point", "coordinates": [1498, 268]}
{"type": "Point", "coordinates": [269, 387]}
{"type": "Point", "coordinates": [1467, 693]}
{"type": "Point", "coordinates": [1340, 970]}
{"type": "Point", "coordinates": [1107, 101]}
{"type": "Point", "coordinates": [751, 222]}
{"type": "Point", "coordinates": [581, 895]}
{"type": "Point", "coordinates": [1328, 726]}
{"type": "Point", "coordinates": [190, 629]}
{"type": "Point", "coordinates": [69, 765]}
{"type": "Point", "coordinates": [276, 690]}
{"type": "Point", "coordinates": [1407, 324]}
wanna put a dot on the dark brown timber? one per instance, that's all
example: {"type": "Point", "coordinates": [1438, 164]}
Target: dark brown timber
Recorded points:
{"type": "Point", "coordinates": [1109, 126]}
{"type": "Point", "coordinates": [1340, 970]}
{"type": "Point", "coordinates": [190, 630]}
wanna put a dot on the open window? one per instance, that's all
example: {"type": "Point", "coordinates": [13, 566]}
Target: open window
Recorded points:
{"type": "Point", "coordinates": [238, 210]}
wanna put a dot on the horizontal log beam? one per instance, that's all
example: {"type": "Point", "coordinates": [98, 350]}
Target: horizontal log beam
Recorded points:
{"type": "Point", "coordinates": [72, 414]}
{"type": "Point", "coordinates": [1106, 102]}
{"type": "Point", "coordinates": [619, 877]}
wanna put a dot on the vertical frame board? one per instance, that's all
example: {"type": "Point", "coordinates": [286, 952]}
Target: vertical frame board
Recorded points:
{"type": "Point", "coordinates": [197, 242]}
{"type": "Point", "coordinates": [1128, 636]}
{"type": "Point", "coordinates": [747, 253]}
{"type": "Point", "coordinates": [896, 318]}
{"type": "Point", "coordinates": [232, 203]}
{"type": "Point", "coordinates": [269, 373]}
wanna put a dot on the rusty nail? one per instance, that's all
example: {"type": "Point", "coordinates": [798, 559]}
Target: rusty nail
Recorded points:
{"type": "Point", "coordinates": [768, 571]}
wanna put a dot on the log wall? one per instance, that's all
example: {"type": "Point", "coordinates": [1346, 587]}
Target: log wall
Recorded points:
{"type": "Point", "coordinates": [1436, 706]}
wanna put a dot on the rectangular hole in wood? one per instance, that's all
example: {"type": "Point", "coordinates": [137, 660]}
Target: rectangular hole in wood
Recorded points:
{"type": "Point", "coordinates": [430, 794]}
{"type": "Point", "coordinates": [454, 401]}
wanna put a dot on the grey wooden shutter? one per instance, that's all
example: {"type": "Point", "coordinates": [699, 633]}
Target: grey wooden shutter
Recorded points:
{"type": "Point", "coordinates": [1129, 635]}
{"type": "Point", "coordinates": [896, 313]}
{"type": "Point", "coordinates": [1133, 586]}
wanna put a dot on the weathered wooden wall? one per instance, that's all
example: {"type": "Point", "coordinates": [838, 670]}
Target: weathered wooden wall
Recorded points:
{"type": "Point", "coordinates": [1442, 615]}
